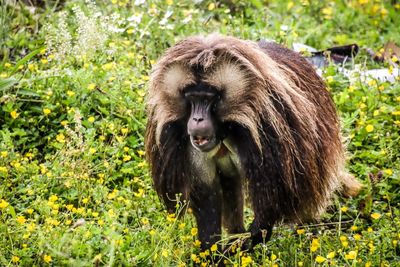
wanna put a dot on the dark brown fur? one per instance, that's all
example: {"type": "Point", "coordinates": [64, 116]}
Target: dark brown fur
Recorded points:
{"type": "Point", "coordinates": [279, 117]}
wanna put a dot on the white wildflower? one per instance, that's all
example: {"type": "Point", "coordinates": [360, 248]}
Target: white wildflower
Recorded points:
{"type": "Point", "coordinates": [139, 2]}
{"type": "Point", "coordinates": [58, 40]}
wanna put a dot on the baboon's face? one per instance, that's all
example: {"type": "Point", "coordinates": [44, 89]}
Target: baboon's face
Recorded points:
{"type": "Point", "coordinates": [202, 124]}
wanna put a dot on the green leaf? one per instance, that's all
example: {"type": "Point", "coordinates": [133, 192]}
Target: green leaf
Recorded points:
{"type": "Point", "coordinates": [25, 59]}
{"type": "Point", "coordinates": [257, 3]}
{"type": "Point", "coordinates": [7, 83]}
{"type": "Point", "coordinates": [28, 93]}
{"type": "Point", "coordinates": [104, 111]}
{"type": "Point", "coordinates": [11, 211]}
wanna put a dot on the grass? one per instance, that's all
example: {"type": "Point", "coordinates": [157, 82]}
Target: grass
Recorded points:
{"type": "Point", "coordinates": [74, 185]}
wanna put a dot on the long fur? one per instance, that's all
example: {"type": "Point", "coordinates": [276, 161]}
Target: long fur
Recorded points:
{"type": "Point", "coordinates": [278, 111]}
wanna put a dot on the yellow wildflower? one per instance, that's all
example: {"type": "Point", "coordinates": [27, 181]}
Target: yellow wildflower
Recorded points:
{"type": "Point", "coordinates": [372, 82]}
{"type": "Point", "coordinates": [375, 216]}
{"type": "Point", "coordinates": [124, 130]}
{"type": "Point", "coordinates": [21, 219]}
{"type": "Point", "coordinates": [47, 258]}
{"type": "Point", "coordinates": [32, 67]}
{"type": "Point", "coordinates": [70, 93]}
{"type": "Point", "coordinates": [246, 261]}
{"type": "Point", "coordinates": [91, 119]}
{"type": "Point", "coordinates": [194, 258]}
{"type": "Point", "coordinates": [145, 221]}
{"type": "Point", "coordinates": [331, 255]}
{"type": "Point", "coordinates": [319, 259]}
{"type": "Point", "coordinates": [388, 172]}
{"type": "Point", "coordinates": [60, 138]}
{"type": "Point", "coordinates": [197, 243]}
{"type": "Point", "coordinates": [3, 169]}
{"type": "Point", "coordinates": [140, 193]}
{"type": "Point", "coordinates": [194, 231]}
{"type": "Point", "coordinates": [108, 66]}
{"type": "Point", "coordinates": [371, 246]}
{"type": "Point", "coordinates": [53, 198]}
{"type": "Point", "coordinates": [351, 255]}
{"type": "Point", "coordinates": [369, 128]}
{"type": "Point", "coordinates": [14, 114]}
{"type": "Point", "coordinates": [15, 259]}
{"type": "Point", "coordinates": [31, 227]}
{"type": "Point", "coordinates": [164, 253]}
{"type": "Point", "coordinates": [91, 86]}
{"type": "Point", "coordinates": [46, 111]}
{"type": "Point", "coordinates": [330, 79]}
{"type": "Point", "coordinates": [314, 245]}
{"type": "Point", "coordinates": [300, 231]}
{"type": "Point", "coordinates": [3, 204]}
{"type": "Point", "coordinates": [113, 194]}
{"type": "Point", "coordinates": [327, 11]}
{"type": "Point", "coordinates": [211, 6]}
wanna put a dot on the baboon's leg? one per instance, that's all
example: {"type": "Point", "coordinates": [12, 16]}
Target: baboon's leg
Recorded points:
{"type": "Point", "coordinates": [206, 202]}
{"type": "Point", "coordinates": [232, 206]}
{"type": "Point", "coordinates": [350, 186]}
{"type": "Point", "coordinates": [264, 214]}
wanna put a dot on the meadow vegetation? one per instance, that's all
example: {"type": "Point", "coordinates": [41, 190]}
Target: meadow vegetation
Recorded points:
{"type": "Point", "coordinates": [75, 188]}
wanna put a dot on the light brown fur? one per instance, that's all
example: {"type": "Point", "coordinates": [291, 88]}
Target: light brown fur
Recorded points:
{"type": "Point", "coordinates": [274, 94]}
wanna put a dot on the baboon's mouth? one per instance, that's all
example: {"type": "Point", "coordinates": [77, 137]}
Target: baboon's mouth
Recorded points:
{"type": "Point", "coordinates": [201, 140]}
{"type": "Point", "coordinates": [203, 143]}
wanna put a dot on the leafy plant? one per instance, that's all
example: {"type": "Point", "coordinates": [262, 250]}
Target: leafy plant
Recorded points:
{"type": "Point", "coordinates": [74, 184]}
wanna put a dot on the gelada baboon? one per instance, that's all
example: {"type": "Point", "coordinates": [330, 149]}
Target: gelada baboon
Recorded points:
{"type": "Point", "coordinates": [225, 115]}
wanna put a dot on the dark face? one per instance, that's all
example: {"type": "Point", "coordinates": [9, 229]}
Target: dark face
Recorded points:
{"type": "Point", "coordinates": [202, 125]}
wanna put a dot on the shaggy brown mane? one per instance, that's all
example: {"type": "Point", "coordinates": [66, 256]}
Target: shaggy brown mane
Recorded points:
{"type": "Point", "coordinates": [273, 101]}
